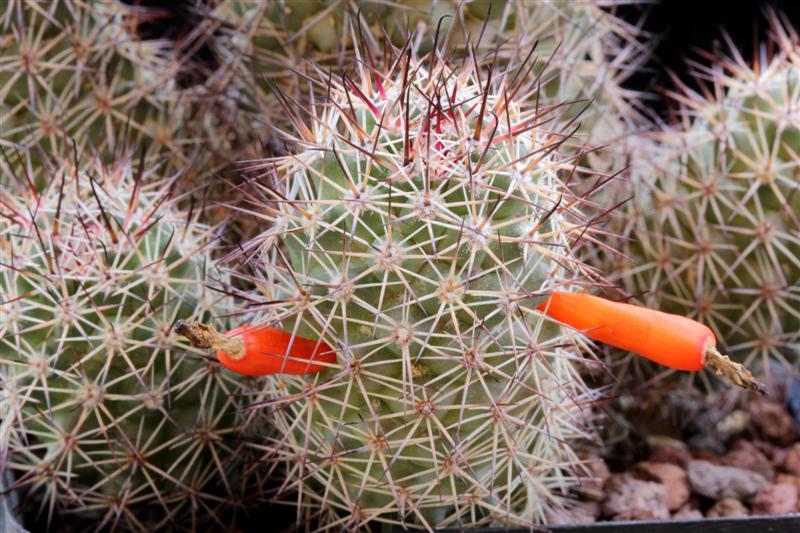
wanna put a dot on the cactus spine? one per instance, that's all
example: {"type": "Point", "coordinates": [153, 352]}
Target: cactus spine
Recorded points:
{"type": "Point", "coordinates": [416, 233]}
{"type": "Point", "coordinates": [104, 413]}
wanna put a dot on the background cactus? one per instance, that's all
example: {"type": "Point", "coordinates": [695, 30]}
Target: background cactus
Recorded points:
{"type": "Point", "coordinates": [416, 233]}
{"type": "Point", "coordinates": [196, 81]}
{"type": "Point", "coordinates": [72, 71]}
{"type": "Point", "coordinates": [105, 413]}
{"type": "Point", "coordinates": [178, 79]}
{"type": "Point", "coordinates": [713, 232]}
{"type": "Point", "coordinates": [590, 49]}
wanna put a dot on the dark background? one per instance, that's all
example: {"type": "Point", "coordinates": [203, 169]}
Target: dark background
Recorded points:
{"type": "Point", "coordinates": [680, 28]}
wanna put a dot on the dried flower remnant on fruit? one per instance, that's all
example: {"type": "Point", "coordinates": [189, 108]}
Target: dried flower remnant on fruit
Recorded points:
{"type": "Point", "coordinates": [204, 336]}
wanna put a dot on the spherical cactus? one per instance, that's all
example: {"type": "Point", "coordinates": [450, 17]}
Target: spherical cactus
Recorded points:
{"type": "Point", "coordinates": [714, 231]}
{"type": "Point", "coordinates": [178, 78]}
{"type": "Point", "coordinates": [61, 77]}
{"type": "Point", "coordinates": [416, 233]}
{"type": "Point", "coordinates": [105, 413]}
{"type": "Point", "coordinates": [82, 72]}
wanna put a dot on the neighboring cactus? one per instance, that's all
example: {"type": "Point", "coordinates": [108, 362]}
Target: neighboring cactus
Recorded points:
{"type": "Point", "coordinates": [591, 50]}
{"type": "Point", "coordinates": [426, 219]}
{"type": "Point", "coordinates": [104, 413]}
{"type": "Point", "coordinates": [714, 230]}
{"type": "Point", "coordinates": [179, 79]}
{"type": "Point", "coordinates": [80, 72]}
{"type": "Point", "coordinates": [61, 77]}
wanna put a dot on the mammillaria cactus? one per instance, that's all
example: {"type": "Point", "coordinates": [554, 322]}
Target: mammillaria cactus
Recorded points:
{"type": "Point", "coordinates": [85, 72]}
{"type": "Point", "coordinates": [426, 218]}
{"type": "Point", "coordinates": [92, 73]}
{"type": "Point", "coordinates": [591, 50]}
{"type": "Point", "coordinates": [714, 231]}
{"type": "Point", "coordinates": [104, 414]}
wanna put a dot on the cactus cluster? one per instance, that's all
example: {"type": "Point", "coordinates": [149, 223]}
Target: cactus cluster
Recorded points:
{"type": "Point", "coordinates": [105, 413]}
{"type": "Point", "coordinates": [470, 398]}
{"type": "Point", "coordinates": [714, 230]}
{"type": "Point", "coordinates": [416, 233]}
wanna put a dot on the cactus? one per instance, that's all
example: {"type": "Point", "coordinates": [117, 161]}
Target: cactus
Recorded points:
{"type": "Point", "coordinates": [104, 413]}
{"type": "Point", "coordinates": [415, 234]}
{"type": "Point", "coordinates": [72, 71]}
{"type": "Point", "coordinates": [91, 73]}
{"type": "Point", "coordinates": [62, 77]}
{"type": "Point", "coordinates": [714, 231]}
{"type": "Point", "coordinates": [591, 50]}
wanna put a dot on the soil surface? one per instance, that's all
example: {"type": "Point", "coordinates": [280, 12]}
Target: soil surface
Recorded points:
{"type": "Point", "coordinates": [680, 454]}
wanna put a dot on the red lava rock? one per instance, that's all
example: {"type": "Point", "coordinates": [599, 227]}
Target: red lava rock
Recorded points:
{"type": "Point", "coordinates": [778, 457]}
{"type": "Point", "coordinates": [772, 421]}
{"type": "Point", "coordinates": [746, 455]}
{"type": "Point", "coordinates": [672, 476]}
{"type": "Point", "coordinates": [628, 498]}
{"type": "Point", "coordinates": [581, 513]}
{"type": "Point", "coordinates": [791, 463]}
{"type": "Point", "coordinates": [792, 480]}
{"type": "Point", "coordinates": [669, 450]}
{"type": "Point", "coordinates": [776, 500]}
{"type": "Point", "coordinates": [716, 482]}
{"type": "Point", "coordinates": [775, 454]}
{"type": "Point", "coordinates": [727, 507]}
{"type": "Point", "coordinates": [592, 487]}
{"type": "Point", "coordinates": [702, 455]}
{"type": "Point", "coordinates": [687, 512]}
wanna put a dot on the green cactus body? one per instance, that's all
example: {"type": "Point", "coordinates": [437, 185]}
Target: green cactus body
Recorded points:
{"type": "Point", "coordinates": [77, 72]}
{"type": "Point", "coordinates": [416, 234]}
{"type": "Point", "coordinates": [590, 50]}
{"type": "Point", "coordinates": [714, 231]}
{"type": "Point", "coordinates": [104, 412]}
